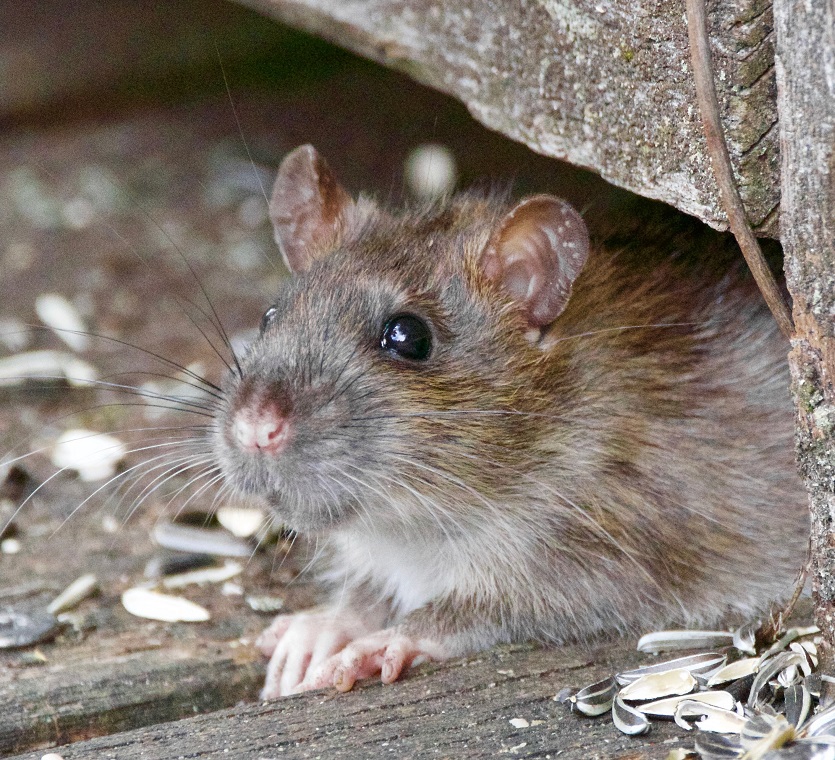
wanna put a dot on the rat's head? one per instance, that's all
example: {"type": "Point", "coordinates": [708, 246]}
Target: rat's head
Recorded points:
{"type": "Point", "coordinates": [392, 374]}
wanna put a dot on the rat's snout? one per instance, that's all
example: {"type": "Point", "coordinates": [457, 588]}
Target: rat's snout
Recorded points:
{"type": "Point", "coordinates": [260, 421]}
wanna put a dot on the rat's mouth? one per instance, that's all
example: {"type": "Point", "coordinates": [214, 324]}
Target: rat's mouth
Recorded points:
{"type": "Point", "coordinates": [308, 509]}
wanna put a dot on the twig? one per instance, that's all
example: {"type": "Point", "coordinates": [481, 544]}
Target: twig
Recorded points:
{"type": "Point", "coordinates": [772, 629]}
{"type": "Point", "coordinates": [720, 159]}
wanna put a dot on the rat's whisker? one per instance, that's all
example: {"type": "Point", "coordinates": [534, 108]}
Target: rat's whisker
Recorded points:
{"type": "Point", "coordinates": [204, 384]}
{"type": "Point", "coordinates": [177, 403]}
{"type": "Point", "coordinates": [212, 317]}
{"type": "Point", "coordinates": [143, 469]}
{"type": "Point", "coordinates": [213, 398]}
{"type": "Point", "coordinates": [121, 475]}
{"type": "Point", "coordinates": [175, 468]}
{"type": "Point", "coordinates": [212, 470]}
{"type": "Point", "coordinates": [48, 447]}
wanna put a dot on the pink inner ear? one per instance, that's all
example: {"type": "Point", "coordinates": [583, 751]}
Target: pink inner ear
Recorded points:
{"type": "Point", "coordinates": [519, 280]}
{"type": "Point", "coordinates": [536, 254]}
{"type": "Point", "coordinates": [308, 208]}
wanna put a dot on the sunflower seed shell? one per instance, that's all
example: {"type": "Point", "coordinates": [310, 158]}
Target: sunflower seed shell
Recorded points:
{"type": "Point", "coordinates": [735, 670]}
{"type": "Point", "coordinates": [596, 698]}
{"type": "Point", "coordinates": [695, 663]}
{"type": "Point", "coordinates": [627, 719]}
{"type": "Point", "coordinates": [770, 666]}
{"type": "Point", "coordinates": [791, 635]}
{"type": "Point", "coordinates": [745, 638]}
{"type": "Point", "coordinates": [667, 641]}
{"type": "Point", "coordinates": [813, 683]}
{"type": "Point", "coordinates": [809, 652]}
{"type": "Point", "coordinates": [200, 540]}
{"type": "Point", "coordinates": [203, 575]}
{"type": "Point", "coordinates": [144, 603]}
{"type": "Point", "coordinates": [666, 708]}
{"type": "Point", "coordinates": [679, 753]}
{"type": "Point", "coordinates": [49, 366]}
{"type": "Point", "coordinates": [717, 747]}
{"type": "Point", "coordinates": [658, 685]}
{"type": "Point", "coordinates": [241, 522]}
{"type": "Point", "coordinates": [714, 719]}
{"type": "Point", "coordinates": [822, 724]}
{"type": "Point", "coordinates": [797, 700]}
{"type": "Point", "coordinates": [765, 730]}
{"type": "Point", "coordinates": [22, 629]}
{"type": "Point", "coordinates": [94, 456]}
{"type": "Point", "coordinates": [77, 591]}
{"type": "Point", "coordinates": [58, 313]}
{"type": "Point", "coordinates": [803, 750]}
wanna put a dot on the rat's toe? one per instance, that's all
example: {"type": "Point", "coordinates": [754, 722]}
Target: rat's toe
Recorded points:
{"type": "Point", "coordinates": [268, 640]}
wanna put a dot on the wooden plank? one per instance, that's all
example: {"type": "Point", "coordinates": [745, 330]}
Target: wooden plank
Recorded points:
{"type": "Point", "coordinates": [604, 85]}
{"type": "Point", "coordinates": [110, 694]}
{"type": "Point", "coordinates": [806, 79]}
{"type": "Point", "coordinates": [461, 710]}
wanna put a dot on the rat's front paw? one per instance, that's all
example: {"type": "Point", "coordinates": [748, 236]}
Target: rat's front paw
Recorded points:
{"type": "Point", "coordinates": [298, 644]}
{"type": "Point", "coordinates": [387, 652]}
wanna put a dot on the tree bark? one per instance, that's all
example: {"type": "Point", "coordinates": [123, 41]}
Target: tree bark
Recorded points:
{"type": "Point", "coordinates": [805, 59]}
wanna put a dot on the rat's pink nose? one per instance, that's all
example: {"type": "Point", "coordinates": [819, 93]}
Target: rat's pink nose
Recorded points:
{"type": "Point", "coordinates": [261, 429]}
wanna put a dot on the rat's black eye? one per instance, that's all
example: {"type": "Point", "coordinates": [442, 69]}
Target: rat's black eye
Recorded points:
{"type": "Point", "coordinates": [268, 318]}
{"type": "Point", "coordinates": [407, 336]}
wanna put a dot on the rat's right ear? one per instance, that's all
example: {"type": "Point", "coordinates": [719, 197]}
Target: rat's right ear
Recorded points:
{"type": "Point", "coordinates": [310, 210]}
{"type": "Point", "coordinates": [535, 254]}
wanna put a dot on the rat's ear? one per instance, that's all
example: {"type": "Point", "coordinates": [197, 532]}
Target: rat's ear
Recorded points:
{"type": "Point", "coordinates": [535, 254]}
{"type": "Point", "coordinates": [309, 208]}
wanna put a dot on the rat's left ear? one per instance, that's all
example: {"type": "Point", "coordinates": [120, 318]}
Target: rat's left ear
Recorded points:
{"type": "Point", "coordinates": [535, 254]}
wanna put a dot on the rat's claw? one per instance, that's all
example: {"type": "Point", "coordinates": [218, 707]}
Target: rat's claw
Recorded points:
{"type": "Point", "coordinates": [297, 644]}
{"type": "Point", "coordinates": [400, 655]}
{"type": "Point", "coordinates": [386, 652]}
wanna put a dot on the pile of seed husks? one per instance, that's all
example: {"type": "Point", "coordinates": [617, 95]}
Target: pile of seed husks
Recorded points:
{"type": "Point", "coordinates": [739, 702]}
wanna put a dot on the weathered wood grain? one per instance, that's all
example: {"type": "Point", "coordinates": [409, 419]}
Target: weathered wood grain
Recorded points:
{"type": "Point", "coordinates": [107, 694]}
{"type": "Point", "coordinates": [806, 78]}
{"type": "Point", "coordinates": [458, 711]}
{"type": "Point", "coordinates": [604, 84]}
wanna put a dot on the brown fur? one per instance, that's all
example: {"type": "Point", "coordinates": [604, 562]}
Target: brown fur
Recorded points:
{"type": "Point", "coordinates": [631, 468]}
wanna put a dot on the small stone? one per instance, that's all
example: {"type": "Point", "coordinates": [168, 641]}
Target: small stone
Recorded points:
{"type": "Point", "coordinates": [21, 629]}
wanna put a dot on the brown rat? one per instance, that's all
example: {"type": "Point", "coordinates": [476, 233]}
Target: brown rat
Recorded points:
{"type": "Point", "coordinates": [495, 432]}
